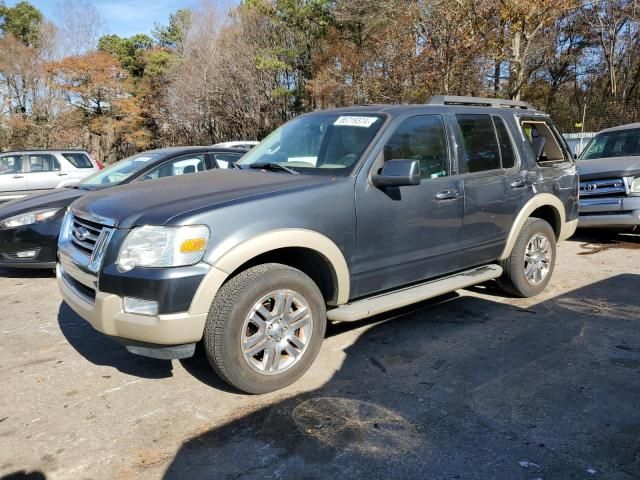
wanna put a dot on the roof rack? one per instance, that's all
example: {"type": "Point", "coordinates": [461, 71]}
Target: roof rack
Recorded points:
{"type": "Point", "coordinates": [479, 102]}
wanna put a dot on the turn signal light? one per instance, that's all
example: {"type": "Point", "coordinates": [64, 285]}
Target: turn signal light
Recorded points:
{"type": "Point", "coordinates": [193, 245]}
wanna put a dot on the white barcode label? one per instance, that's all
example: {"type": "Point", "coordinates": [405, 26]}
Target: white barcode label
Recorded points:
{"type": "Point", "coordinates": [364, 122]}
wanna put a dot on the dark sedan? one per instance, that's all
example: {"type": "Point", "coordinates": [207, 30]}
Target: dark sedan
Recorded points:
{"type": "Point", "coordinates": [29, 227]}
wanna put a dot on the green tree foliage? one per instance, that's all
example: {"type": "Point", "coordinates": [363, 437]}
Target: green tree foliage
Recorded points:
{"type": "Point", "coordinates": [173, 35]}
{"type": "Point", "coordinates": [23, 21]}
{"type": "Point", "coordinates": [209, 75]}
{"type": "Point", "coordinates": [130, 52]}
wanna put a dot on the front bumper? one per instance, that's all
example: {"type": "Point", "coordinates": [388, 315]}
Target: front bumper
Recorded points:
{"type": "Point", "coordinates": [105, 312]}
{"type": "Point", "coordinates": [609, 212]}
{"type": "Point", "coordinates": [41, 238]}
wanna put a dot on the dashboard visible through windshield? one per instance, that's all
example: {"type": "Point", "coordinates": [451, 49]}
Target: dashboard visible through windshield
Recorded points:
{"type": "Point", "coordinates": [120, 171]}
{"type": "Point", "coordinates": [619, 143]}
{"type": "Point", "coordinates": [317, 144]}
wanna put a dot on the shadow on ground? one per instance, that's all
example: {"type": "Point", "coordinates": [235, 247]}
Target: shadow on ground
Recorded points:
{"type": "Point", "coordinates": [101, 350]}
{"type": "Point", "coordinates": [24, 475]}
{"type": "Point", "coordinates": [26, 273]}
{"type": "Point", "coordinates": [596, 241]}
{"type": "Point", "coordinates": [470, 388]}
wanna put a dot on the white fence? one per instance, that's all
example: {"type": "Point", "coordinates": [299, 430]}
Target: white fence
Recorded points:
{"type": "Point", "coordinates": [577, 141]}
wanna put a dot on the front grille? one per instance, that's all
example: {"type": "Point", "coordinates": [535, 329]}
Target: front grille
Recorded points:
{"type": "Point", "coordinates": [85, 234]}
{"type": "Point", "coordinates": [598, 214]}
{"type": "Point", "coordinates": [89, 238]}
{"type": "Point", "coordinates": [89, 294]}
{"type": "Point", "coordinates": [611, 187]}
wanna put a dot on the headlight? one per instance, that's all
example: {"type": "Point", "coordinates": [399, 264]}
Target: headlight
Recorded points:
{"type": "Point", "coordinates": [635, 185]}
{"type": "Point", "coordinates": [151, 246]}
{"type": "Point", "coordinates": [28, 218]}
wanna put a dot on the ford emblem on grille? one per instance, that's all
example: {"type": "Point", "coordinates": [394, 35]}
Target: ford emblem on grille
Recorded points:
{"type": "Point", "coordinates": [81, 233]}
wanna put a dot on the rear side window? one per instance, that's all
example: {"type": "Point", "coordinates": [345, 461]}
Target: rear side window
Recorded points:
{"type": "Point", "coordinates": [506, 147]}
{"type": "Point", "coordinates": [43, 162]}
{"type": "Point", "coordinates": [78, 160]}
{"type": "Point", "coordinates": [421, 138]}
{"type": "Point", "coordinates": [10, 164]}
{"type": "Point", "coordinates": [544, 143]}
{"type": "Point", "coordinates": [480, 145]}
{"type": "Point", "coordinates": [179, 166]}
{"type": "Point", "coordinates": [223, 160]}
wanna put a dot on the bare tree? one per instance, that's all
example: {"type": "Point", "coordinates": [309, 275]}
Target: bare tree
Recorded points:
{"type": "Point", "coordinates": [80, 25]}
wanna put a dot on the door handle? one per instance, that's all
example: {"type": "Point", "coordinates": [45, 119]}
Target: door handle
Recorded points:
{"type": "Point", "coordinates": [518, 184]}
{"type": "Point", "coordinates": [62, 174]}
{"type": "Point", "coordinates": [447, 195]}
{"type": "Point", "coordinates": [18, 176]}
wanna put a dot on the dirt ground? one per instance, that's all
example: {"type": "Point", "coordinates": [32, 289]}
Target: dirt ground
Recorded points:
{"type": "Point", "coordinates": [474, 385]}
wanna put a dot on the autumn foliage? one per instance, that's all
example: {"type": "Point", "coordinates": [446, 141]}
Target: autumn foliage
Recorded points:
{"type": "Point", "coordinates": [210, 75]}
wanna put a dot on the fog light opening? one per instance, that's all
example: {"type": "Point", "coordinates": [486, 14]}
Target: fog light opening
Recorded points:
{"type": "Point", "coordinates": [26, 254]}
{"type": "Point", "coordinates": [140, 306]}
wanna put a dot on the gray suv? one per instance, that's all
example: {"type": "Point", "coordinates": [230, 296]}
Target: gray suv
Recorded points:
{"type": "Point", "coordinates": [27, 171]}
{"type": "Point", "coordinates": [337, 215]}
{"type": "Point", "coordinates": [609, 170]}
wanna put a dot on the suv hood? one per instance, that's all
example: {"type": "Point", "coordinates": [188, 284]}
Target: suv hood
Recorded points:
{"type": "Point", "coordinates": [610, 167]}
{"type": "Point", "coordinates": [156, 202]}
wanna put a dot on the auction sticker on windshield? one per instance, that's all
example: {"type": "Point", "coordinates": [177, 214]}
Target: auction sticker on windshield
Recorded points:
{"type": "Point", "coordinates": [364, 122]}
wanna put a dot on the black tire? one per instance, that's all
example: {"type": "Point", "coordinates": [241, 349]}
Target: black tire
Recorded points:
{"type": "Point", "coordinates": [230, 308]}
{"type": "Point", "coordinates": [513, 280]}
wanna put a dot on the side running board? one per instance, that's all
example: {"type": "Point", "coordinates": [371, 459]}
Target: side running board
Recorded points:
{"type": "Point", "coordinates": [406, 296]}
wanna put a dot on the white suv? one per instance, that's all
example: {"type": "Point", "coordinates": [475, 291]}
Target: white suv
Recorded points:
{"type": "Point", "coordinates": [24, 172]}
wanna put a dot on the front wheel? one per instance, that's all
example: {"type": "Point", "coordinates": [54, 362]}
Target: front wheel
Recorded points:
{"type": "Point", "coordinates": [265, 328]}
{"type": "Point", "coordinates": [528, 269]}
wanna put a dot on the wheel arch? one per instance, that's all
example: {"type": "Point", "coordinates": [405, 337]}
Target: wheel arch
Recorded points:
{"type": "Point", "coordinates": [309, 251]}
{"type": "Point", "coordinates": [545, 206]}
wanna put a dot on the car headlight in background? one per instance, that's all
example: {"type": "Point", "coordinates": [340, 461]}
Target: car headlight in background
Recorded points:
{"type": "Point", "coordinates": [28, 218]}
{"type": "Point", "coordinates": [151, 246]}
{"type": "Point", "coordinates": [635, 185]}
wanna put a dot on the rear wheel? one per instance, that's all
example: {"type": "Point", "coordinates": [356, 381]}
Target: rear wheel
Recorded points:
{"type": "Point", "coordinates": [528, 270]}
{"type": "Point", "coordinates": [265, 328]}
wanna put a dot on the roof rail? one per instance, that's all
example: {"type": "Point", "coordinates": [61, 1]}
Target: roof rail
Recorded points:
{"type": "Point", "coordinates": [479, 102]}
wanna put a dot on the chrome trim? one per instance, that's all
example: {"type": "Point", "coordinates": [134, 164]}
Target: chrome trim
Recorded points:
{"type": "Point", "coordinates": [64, 277]}
{"type": "Point", "coordinates": [91, 217]}
{"type": "Point", "coordinates": [86, 245]}
{"type": "Point", "coordinates": [602, 187]}
{"type": "Point", "coordinates": [600, 201]}
{"type": "Point", "coordinates": [85, 225]}
{"type": "Point", "coordinates": [74, 271]}
{"type": "Point", "coordinates": [100, 248]}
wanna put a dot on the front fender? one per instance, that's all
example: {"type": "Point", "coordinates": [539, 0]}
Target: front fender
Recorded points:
{"type": "Point", "coordinates": [241, 253]}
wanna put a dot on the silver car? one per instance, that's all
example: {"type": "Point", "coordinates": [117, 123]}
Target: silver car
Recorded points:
{"type": "Point", "coordinates": [609, 171]}
{"type": "Point", "coordinates": [27, 171]}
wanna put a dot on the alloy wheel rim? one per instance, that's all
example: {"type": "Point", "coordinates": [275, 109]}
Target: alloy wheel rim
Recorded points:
{"type": "Point", "coordinates": [277, 331]}
{"type": "Point", "coordinates": [537, 259]}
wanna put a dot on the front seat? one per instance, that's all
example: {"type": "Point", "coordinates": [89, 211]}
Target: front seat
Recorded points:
{"type": "Point", "coordinates": [189, 169]}
{"type": "Point", "coordinates": [537, 142]}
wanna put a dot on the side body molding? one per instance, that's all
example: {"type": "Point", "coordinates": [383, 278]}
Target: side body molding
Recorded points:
{"type": "Point", "coordinates": [241, 253]}
{"type": "Point", "coordinates": [539, 200]}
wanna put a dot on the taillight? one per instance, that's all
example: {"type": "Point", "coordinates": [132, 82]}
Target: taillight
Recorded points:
{"type": "Point", "coordinates": [95, 160]}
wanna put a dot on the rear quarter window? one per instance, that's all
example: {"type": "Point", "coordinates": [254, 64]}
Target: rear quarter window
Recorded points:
{"type": "Point", "coordinates": [479, 142]}
{"type": "Point", "coordinates": [78, 160]}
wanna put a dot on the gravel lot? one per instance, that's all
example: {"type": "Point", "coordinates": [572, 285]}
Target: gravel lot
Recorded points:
{"type": "Point", "coordinates": [475, 385]}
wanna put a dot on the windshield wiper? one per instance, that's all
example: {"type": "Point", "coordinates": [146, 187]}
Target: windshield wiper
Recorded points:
{"type": "Point", "coordinates": [274, 166]}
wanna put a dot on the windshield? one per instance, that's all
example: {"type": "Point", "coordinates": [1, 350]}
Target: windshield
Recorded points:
{"type": "Point", "coordinates": [317, 144]}
{"type": "Point", "coordinates": [621, 143]}
{"type": "Point", "coordinates": [120, 171]}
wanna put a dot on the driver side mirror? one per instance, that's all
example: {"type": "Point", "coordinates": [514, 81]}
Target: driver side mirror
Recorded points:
{"type": "Point", "coordinates": [398, 173]}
